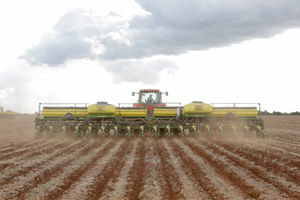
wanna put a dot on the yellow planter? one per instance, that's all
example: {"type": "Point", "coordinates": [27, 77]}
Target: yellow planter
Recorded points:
{"type": "Point", "coordinates": [61, 112]}
{"type": "Point", "coordinates": [197, 108]}
{"type": "Point", "coordinates": [165, 112]}
{"type": "Point", "coordinates": [101, 109]}
{"type": "Point", "coordinates": [131, 112]}
{"type": "Point", "coordinates": [235, 111]}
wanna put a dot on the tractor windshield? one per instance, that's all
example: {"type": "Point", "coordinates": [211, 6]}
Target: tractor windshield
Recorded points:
{"type": "Point", "coordinates": [149, 98]}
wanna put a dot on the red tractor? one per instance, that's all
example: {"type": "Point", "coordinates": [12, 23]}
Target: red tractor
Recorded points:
{"type": "Point", "coordinates": [149, 98]}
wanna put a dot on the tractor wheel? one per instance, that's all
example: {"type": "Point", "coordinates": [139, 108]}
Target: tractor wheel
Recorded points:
{"type": "Point", "coordinates": [69, 116]}
{"type": "Point", "coordinates": [229, 116]}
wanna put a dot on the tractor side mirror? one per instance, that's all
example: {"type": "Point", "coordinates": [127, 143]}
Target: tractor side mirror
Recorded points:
{"type": "Point", "coordinates": [133, 93]}
{"type": "Point", "coordinates": [167, 93]}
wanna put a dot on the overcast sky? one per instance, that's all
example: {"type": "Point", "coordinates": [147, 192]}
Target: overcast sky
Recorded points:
{"type": "Point", "coordinates": [209, 50]}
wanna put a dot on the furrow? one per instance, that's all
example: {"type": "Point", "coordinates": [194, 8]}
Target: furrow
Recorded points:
{"type": "Point", "coordinates": [280, 141]}
{"type": "Point", "coordinates": [32, 147]}
{"type": "Point", "coordinates": [278, 156]}
{"type": "Point", "coordinates": [261, 144]}
{"type": "Point", "coordinates": [228, 173]}
{"type": "Point", "coordinates": [224, 187]}
{"type": "Point", "coordinates": [79, 189]}
{"type": "Point", "coordinates": [116, 187]}
{"type": "Point", "coordinates": [22, 169]}
{"type": "Point", "coordinates": [85, 163]}
{"type": "Point", "coordinates": [34, 178]}
{"type": "Point", "coordinates": [190, 189]}
{"type": "Point", "coordinates": [4, 166]}
{"type": "Point", "coordinates": [51, 177]}
{"type": "Point", "coordinates": [46, 150]}
{"type": "Point", "coordinates": [256, 172]}
{"type": "Point", "coordinates": [285, 134]}
{"type": "Point", "coordinates": [111, 171]}
{"type": "Point", "coordinates": [152, 180]}
{"type": "Point", "coordinates": [192, 169]}
{"type": "Point", "coordinates": [136, 177]}
{"type": "Point", "coordinates": [282, 148]}
{"type": "Point", "coordinates": [171, 184]}
{"type": "Point", "coordinates": [284, 140]}
{"type": "Point", "coordinates": [284, 145]}
{"type": "Point", "coordinates": [28, 157]}
{"type": "Point", "coordinates": [266, 161]}
{"type": "Point", "coordinates": [15, 146]}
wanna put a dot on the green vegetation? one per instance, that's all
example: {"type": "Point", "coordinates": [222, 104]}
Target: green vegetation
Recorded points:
{"type": "Point", "coordinates": [278, 113]}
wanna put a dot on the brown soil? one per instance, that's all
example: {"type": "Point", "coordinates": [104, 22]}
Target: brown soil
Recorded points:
{"type": "Point", "coordinates": [149, 168]}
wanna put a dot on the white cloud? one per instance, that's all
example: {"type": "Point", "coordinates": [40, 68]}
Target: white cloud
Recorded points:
{"type": "Point", "coordinates": [143, 70]}
{"type": "Point", "coordinates": [170, 28]}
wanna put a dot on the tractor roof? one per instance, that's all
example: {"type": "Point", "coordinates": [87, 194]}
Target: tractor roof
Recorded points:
{"type": "Point", "coordinates": [149, 90]}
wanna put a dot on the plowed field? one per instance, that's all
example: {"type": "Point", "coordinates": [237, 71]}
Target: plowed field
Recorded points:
{"type": "Point", "coordinates": [149, 168]}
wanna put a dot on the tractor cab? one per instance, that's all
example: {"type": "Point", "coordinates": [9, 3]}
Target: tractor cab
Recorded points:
{"type": "Point", "coordinates": [149, 97]}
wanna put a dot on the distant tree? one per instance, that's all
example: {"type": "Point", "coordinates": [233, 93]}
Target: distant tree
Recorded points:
{"type": "Point", "coordinates": [295, 113]}
{"type": "Point", "coordinates": [265, 112]}
{"type": "Point", "coordinates": [277, 113]}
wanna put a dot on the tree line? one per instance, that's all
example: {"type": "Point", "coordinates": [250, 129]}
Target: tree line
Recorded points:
{"type": "Point", "coordinates": [278, 113]}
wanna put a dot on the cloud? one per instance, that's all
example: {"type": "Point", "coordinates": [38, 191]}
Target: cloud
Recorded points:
{"type": "Point", "coordinates": [175, 26]}
{"type": "Point", "coordinates": [170, 27]}
{"type": "Point", "coordinates": [56, 49]}
{"type": "Point", "coordinates": [145, 71]}
{"type": "Point", "coordinates": [5, 92]}
{"type": "Point", "coordinates": [15, 86]}
{"type": "Point", "coordinates": [77, 35]}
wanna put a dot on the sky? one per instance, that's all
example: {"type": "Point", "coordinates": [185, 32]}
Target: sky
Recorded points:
{"type": "Point", "coordinates": [209, 50]}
